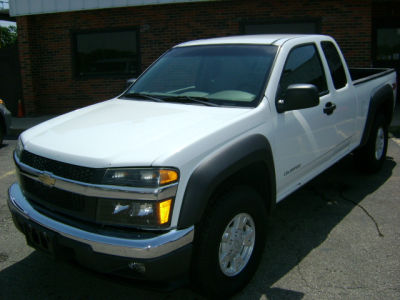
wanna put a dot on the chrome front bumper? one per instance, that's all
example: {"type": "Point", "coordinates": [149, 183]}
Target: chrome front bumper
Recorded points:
{"type": "Point", "coordinates": [138, 248]}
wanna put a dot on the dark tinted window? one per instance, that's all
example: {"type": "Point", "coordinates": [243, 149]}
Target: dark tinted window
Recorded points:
{"type": "Point", "coordinates": [107, 53]}
{"type": "Point", "coordinates": [335, 65]}
{"type": "Point", "coordinates": [303, 65]}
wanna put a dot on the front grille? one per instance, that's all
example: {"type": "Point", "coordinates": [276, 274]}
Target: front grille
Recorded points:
{"type": "Point", "coordinates": [73, 172]}
{"type": "Point", "coordinates": [59, 201]}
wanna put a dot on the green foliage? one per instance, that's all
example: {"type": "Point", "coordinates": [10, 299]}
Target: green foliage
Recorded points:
{"type": "Point", "coordinates": [8, 36]}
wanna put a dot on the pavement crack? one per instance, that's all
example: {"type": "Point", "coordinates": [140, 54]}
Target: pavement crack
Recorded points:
{"type": "Point", "coordinates": [351, 287]}
{"type": "Point", "coordinates": [342, 196]}
{"type": "Point", "coordinates": [341, 193]}
{"type": "Point", "coordinates": [302, 277]}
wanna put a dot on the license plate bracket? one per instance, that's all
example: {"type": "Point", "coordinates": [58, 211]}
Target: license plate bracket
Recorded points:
{"type": "Point", "coordinates": [40, 238]}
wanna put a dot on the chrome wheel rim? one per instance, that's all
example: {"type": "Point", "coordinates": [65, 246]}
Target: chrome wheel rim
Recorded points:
{"type": "Point", "coordinates": [379, 143]}
{"type": "Point", "coordinates": [237, 244]}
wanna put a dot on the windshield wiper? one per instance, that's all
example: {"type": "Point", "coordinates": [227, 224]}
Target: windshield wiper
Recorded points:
{"type": "Point", "coordinates": [201, 100]}
{"type": "Point", "coordinates": [142, 96]}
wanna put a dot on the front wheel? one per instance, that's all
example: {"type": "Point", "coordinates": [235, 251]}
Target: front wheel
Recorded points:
{"type": "Point", "coordinates": [372, 155]}
{"type": "Point", "coordinates": [229, 243]}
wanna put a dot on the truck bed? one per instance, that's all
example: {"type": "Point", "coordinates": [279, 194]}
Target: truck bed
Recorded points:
{"type": "Point", "coordinates": [360, 75]}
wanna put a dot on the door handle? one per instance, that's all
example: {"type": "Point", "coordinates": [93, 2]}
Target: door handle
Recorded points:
{"type": "Point", "coordinates": [329, 108]}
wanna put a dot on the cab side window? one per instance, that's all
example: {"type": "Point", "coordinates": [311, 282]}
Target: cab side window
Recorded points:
{"type": "Point", "coordinates": [335, 65]}
{"type": "Point", "coordinates": [303, 65]}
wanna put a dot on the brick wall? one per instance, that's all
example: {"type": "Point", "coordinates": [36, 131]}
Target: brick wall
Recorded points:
{"type": "Point", "coordinates": [45, 41]}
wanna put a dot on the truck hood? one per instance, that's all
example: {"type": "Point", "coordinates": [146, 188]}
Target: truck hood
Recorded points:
{"type": "Point", "coordinates": [119, 133]}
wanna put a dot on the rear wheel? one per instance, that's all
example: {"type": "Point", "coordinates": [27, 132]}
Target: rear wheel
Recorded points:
{"type": "Point", "coordinates": [229, 243]}
{"type": "Point", "coordinates": [372, 155]}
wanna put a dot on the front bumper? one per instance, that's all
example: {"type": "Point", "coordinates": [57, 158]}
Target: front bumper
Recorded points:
{"type": "Point", "coordinates": [164, 256]}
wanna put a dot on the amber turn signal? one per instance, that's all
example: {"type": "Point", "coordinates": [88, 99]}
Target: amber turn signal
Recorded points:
{"type": "Point", "coordinates": [164, 209]}
{"type": "Point", "coordinates": [168, 176]}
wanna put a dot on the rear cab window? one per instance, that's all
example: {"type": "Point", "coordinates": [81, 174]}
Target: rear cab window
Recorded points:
{"type": "Point", "coordinates": [335, 64]}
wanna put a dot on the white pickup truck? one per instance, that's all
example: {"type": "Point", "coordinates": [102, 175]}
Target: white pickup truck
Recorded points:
{"type": "Point", "coordinates": [179, 173]}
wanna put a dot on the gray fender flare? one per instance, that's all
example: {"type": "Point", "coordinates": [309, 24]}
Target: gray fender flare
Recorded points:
{"type": "Point", "coordinates": [222, 164]}
{"type": "Point", "coordinates": [382, 98]}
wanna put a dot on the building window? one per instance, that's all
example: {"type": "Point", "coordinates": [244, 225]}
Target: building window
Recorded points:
{"type": "Point", "coordinates": [388, 44]}
{"type": "Point", "coordinates": [107, 53]}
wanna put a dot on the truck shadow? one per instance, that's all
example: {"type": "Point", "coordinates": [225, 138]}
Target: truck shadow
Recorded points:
{"type": "Point", "coordinates": [303, 221]}
{"type": "Point", "coordinates": [299, 224]}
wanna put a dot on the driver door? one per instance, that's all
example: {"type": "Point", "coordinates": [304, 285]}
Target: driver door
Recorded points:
{"type": "Point", "coordinates": [304, 137]}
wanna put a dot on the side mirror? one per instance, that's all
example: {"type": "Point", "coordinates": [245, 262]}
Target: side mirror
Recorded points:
{"type": "Point", "coordinates": [298, 96]}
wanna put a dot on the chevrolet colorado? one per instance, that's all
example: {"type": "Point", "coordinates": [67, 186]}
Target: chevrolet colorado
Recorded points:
{"type": "Point", "coordinates": [178, 174]}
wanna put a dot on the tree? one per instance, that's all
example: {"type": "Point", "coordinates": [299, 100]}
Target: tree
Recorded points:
{"type": "Point", "coordinates": [8, 36]}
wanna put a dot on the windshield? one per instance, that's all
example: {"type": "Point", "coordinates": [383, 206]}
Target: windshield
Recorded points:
{"type": "Point", "coordinates": [232, 75]}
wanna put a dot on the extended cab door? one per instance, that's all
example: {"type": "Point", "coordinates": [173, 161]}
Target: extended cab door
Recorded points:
{"type": "Point", "coordinates": [306, 139]}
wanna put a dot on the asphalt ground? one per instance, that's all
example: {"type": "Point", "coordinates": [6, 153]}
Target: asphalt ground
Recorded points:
{"type": "Point", "coordinates": [338, 237]}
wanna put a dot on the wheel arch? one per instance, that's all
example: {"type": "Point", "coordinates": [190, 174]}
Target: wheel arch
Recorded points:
{"type": "Point", "coordinates": [382, 101]}
{"type": "Point", "coordinates": [249, 161]}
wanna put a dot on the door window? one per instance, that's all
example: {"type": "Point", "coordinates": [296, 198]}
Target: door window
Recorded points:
{"type": "Point", "coordinates": [303, 65]}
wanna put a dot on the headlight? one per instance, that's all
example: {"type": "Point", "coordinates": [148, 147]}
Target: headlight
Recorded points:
{"type": "Point", "coordinates": [150, 214]}
{"type": "Point", "coordinates": [140, 177]}
{"type": "Point", "coordinates": [19, 148]}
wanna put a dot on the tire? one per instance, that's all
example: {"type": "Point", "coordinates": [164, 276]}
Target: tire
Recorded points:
{"type": "Point", "coordinates": [214, 272]}
{"type": "Point", "coordinates": [372, 155]}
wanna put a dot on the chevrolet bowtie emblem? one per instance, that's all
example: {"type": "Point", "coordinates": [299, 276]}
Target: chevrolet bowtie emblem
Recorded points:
{"type": "Point", "coordinates": [46, 179]}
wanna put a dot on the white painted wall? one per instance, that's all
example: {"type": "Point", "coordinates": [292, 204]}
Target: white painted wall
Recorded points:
{"type": "Point", "coordinates": [32, 7]}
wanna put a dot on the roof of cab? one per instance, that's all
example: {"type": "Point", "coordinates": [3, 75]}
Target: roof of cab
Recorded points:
{"type": "Point", "coordinates": [258, 39]}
